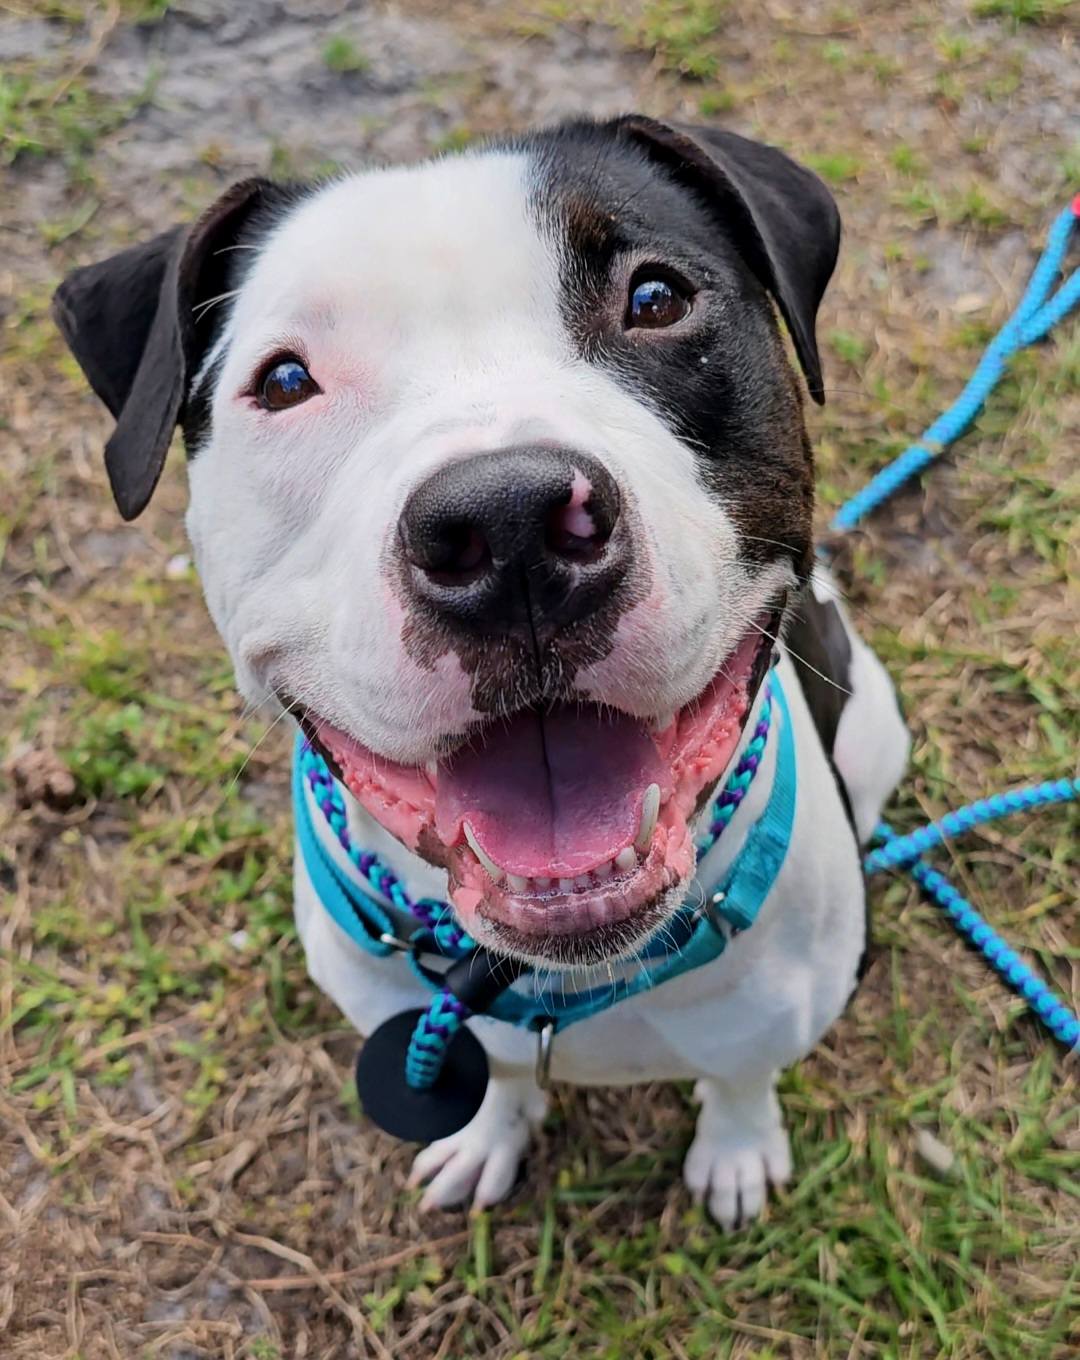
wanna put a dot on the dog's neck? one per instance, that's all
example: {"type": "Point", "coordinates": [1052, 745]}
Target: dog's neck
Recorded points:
{"type": "Point", "coordinates": [421, 879]}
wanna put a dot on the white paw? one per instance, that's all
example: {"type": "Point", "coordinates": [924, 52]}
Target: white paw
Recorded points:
{"type": "Point", "coordinates": [739, 1150]}
{"type": "Point", "coordinates": [481, 1160]}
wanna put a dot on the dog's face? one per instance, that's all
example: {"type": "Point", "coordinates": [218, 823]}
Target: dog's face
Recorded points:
{"type": "Point", "coordinates": [499, 481]}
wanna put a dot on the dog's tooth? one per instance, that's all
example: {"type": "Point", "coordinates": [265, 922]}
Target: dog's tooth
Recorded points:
{"type": "Point", "coordinates": [542, 882]}
{"type": "Point", "coordinates": [650, 810]}
{"type": "Point", "coordinates": [517, 883]}
{"type": "Point", "coordinates": [626, 858]}
{"type": "Point", "coordinates": [566, 885]}
{"type": "Point", "coordinates": [604, 870]}
{"type": "Point", "coordinates": [490, 867]}
{"type": "Point", "coordinates": [431, 769]}
{"type": "Point", "coordinates": [582, 881]}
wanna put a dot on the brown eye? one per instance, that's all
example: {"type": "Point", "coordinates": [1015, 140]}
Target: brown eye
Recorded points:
{"type": "Point", "coordinates": [288, 383]}
{"type": "Point", "coordinates": [655, 303]}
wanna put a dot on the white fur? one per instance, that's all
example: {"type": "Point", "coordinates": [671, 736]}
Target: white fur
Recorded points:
{"type": "Point", "coordinates": [425, 301]}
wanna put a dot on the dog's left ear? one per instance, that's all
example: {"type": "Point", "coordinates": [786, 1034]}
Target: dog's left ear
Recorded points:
{"type": "Point", "coordinates": [133, 324]}
{"type": "Point", "coordinates": [783, 220]}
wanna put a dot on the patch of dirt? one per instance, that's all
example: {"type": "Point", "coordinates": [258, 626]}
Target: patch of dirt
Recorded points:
{"type": "Point", "coordinates": [223, 84]}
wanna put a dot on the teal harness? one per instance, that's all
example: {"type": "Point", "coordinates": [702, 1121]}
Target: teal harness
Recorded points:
{"type": "Point", "coordinates": [696, 936]}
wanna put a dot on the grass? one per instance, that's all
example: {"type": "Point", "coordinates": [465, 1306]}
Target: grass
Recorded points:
{"type": "Point", "coordinates": [342, 55]}
{"type": "Point", "coordinates": [41, 116]}
{"type": "Point", "coordinates": [183, 1169]}
{"type": "Point", "coordinates": [1025, 11]}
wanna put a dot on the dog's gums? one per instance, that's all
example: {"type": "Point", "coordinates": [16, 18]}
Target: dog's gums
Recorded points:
{"type": "Point", "coordinates": [561, 829]}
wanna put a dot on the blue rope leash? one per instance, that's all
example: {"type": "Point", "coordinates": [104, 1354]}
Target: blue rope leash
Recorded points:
{"type": "Point", "coordinates": [1035, 315]}
{"type": "Point", "coordinates": [1033, 318]}
{"type": "Point", "coordinates": [1051, 1010]}
{"type": "Point", "coordinates": [899, 852]}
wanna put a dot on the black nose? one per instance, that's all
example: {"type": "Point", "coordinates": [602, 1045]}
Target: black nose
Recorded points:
{"type": "Point", "coordinates": [522, 541]}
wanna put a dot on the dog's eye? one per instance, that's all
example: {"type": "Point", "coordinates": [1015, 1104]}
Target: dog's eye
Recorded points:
{"type": "Point", "coordinates": [287, 383]}
{"type": "Point", "coordinates": [656, 302]}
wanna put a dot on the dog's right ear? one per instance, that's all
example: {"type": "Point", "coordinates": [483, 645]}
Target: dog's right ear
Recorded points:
{"type": "Point", "coordinates": [133, 323]}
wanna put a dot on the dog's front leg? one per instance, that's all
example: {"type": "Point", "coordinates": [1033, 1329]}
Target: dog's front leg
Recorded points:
{"type": "Point", "coordinates": [740, 1147]}
{"type": "Point", "coordinates": [482, 1159]}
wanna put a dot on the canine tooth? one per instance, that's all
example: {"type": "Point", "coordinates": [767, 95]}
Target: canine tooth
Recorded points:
{"type": "Point", "coordinates": [626, 858]}
{"type": "Point", "coordinates": [566, 885]}
{"type": "Point", "coordinates": [517, 883]}
{"type": "Point", "coordinates": [431, 769]}
{"type": "Point", "coordinates": [650, 810]}
{"type": "Point", "coordinates": [491, 868]}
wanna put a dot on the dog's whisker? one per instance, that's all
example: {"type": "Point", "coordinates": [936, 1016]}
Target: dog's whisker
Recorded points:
{"type": "Point", "coordinates": [201, 308]}
{"type": "Point", "coordinates": [285, 712]}
{"type": "Point", "coordinates": [820, 674]}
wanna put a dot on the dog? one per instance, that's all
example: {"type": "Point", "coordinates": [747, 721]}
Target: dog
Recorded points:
{"type": "Point", "coordinates": [500, 486]}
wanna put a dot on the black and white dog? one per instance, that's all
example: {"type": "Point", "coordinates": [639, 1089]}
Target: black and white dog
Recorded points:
{"type": "Point", "coordinates": [500, 483]}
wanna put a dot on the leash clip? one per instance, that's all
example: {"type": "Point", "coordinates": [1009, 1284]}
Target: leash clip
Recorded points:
{"type": "Point", "coordinates": [545, 1035]}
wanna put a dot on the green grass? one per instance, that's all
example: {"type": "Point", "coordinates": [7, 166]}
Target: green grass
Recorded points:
{"type": "Point", "coordinates": [836, 167]}
{"type": "Point", "coordinates": [1025, 11]}
{"type": "Point", "coordinates": [41, 115]}
{"type": "Point", "coordinates": [342, 55]}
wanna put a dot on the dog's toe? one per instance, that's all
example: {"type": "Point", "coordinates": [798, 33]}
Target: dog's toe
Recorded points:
{"type": "Point", "coordinates": [481, 1160]}
{"type": "Point", "coordinates": [733, 1180]}
{"type": "Point", "coordinates": [732, 1161]}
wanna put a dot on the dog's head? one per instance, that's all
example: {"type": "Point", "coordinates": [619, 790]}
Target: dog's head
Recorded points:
{"type": "Point", "coordinates": [499, 480]}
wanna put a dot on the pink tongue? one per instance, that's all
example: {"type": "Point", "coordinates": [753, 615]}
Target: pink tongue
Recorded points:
{"type": "Point", "coordinates": [551, 794]}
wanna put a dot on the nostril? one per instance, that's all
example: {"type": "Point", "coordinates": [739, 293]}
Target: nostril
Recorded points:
{"type": "Point", "coordinates": [572, 531]}
{"type": "Point", "coordinates": [456, 556]}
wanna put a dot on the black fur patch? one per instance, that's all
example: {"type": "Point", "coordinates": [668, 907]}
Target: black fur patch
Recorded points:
{"type": "Point", "coordinates": [140, 323]}
{"type": "Point", "coordinates": [233, 264]}
{"type": "Point", "coordinates": [720, 379]}
{"type": "Point", "coordinates": [821, 650]}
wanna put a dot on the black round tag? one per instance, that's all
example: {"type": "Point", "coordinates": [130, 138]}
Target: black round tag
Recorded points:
{"type": "Point", "coordinates": [419, 1116]}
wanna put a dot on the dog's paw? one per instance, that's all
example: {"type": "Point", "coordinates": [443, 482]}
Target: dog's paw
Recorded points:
{"type": "Point", "coordinates": [481, 1160]}
{"type": "Point", "coordinates": [740, 1148]}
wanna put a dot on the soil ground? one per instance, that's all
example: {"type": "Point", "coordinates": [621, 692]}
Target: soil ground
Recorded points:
{"type": "Point", "coordinates": [183, 1170]}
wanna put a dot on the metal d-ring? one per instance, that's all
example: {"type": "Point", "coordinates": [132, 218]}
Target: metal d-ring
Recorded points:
{"type": "Point", "coordinates": [396, 942]}
{"type": "Point", "coordinates": [719, 923]}
{"type": "Point", "coordinates": [545, 1034]}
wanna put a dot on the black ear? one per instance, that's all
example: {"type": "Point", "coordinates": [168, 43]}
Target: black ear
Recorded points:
{"type": "Point", "coordinates": [132, 323]}
{"type": "Point", "coordinates": [784, 221]}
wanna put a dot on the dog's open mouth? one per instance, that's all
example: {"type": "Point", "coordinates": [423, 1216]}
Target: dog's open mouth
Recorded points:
{"type": "Point", "coordinates": [563, 829]}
